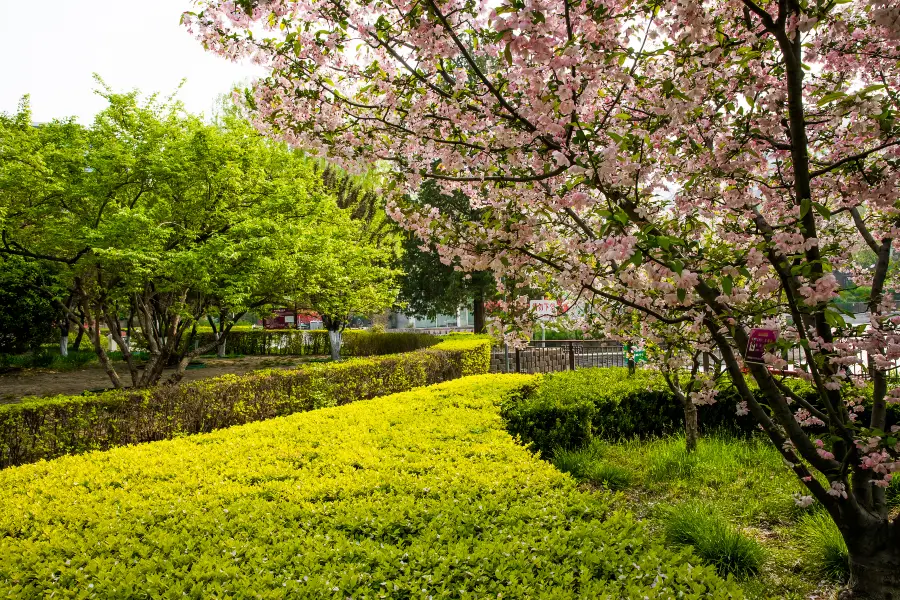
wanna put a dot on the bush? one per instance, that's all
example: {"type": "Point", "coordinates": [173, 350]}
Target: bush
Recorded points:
{"type": "Point", "coordinates": [48, 358]}
{"type": "Point", "coordinates": [50, 427]}
{"type": "Point", "coordinates": [26, 315]}
{"type": "Point", "coordinates": [823, 546]}
{"type": "Point", "coordinates": [566, 410]}
{"type": "Point", "coordinates": [409, 496]}
{"type": "Point", "coordinates": [282, 342]}
{"type": "Point", "coordinates": [714, 540]}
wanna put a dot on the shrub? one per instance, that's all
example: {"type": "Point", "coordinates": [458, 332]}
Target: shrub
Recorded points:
{"type": "Point", "coordinates": [409, 496]}
{"type": "Point", "coordinates": [714, 540]}
{"type": "Point", "coordinates": [283, 342]}
{"type": "Point", "coordinates": [823, 546]}
{"type": "Point", "coordinates": [50, 427]}
{"type": "Point", "coordinates": [567, 409]}
{"type": "Point", "coordinates": [48, 358]}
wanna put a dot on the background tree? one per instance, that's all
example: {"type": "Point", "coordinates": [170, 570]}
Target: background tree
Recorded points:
{"type": "Point", "coordinates": [27, 315]}
{"type": "Point", "coordinates": [153, 214]}
{"type": "Point", "coordinates": [341, 273]}
{"type": "Point", "coordinates": [430, 286]}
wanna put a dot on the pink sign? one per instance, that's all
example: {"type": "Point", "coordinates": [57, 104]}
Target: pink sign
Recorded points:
{"type": "Point", "coordinates": [756, 347]}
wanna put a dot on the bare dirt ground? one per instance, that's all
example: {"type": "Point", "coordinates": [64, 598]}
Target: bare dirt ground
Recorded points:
{"type": "Point", "coordinates": [47, 382]}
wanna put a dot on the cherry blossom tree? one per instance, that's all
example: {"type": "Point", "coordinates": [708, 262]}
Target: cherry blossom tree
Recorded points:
{"type": "Point", "coordinates": [707, 164]}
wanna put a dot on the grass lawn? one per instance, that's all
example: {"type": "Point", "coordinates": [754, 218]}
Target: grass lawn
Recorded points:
{"type": "Point", "coordinates": [732, 500]}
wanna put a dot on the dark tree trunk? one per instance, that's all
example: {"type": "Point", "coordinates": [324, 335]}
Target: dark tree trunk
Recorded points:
{"type": "Point", "coordinates": [629, 353]}
{"type": "Point", "coordinates": [76, 345]}
{"type": "Point", "coordinates": [875, 563]}
{"type": "Point", "coordinates": [478, 310]}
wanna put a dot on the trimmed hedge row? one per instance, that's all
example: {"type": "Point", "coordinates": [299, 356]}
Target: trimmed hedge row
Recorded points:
{"type": "Point", "coordinates": [416, 495]}
{"type": "Point", "coordinates": [283, 342]}
{"type": "Point", "coordinates": [568, 409]}
{"type": "Point", "coordinates": [51, 427]}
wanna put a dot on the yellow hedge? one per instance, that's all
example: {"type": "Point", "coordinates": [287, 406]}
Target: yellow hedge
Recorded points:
{"type": "Point", "coordinates": [51, 427]}
{"type": "Point", "coordinates": [415, 495]}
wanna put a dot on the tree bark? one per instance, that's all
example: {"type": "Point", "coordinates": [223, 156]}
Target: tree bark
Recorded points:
{"type": "Point", "coordinates": [691, 425]}
{"type": "Point", "coordinates": [104, 358]}
{"type": "Point", "coordinates": [874, 566]}
{"type": "Point", "coordinates": [76, 346]}
{"type": "Point", "coordinates": [478, 311]}
{"type": "Point", "coordinates": [178, 375]}
{"type": "Point", "coordinates": [334, 337]}
{"type": "Point", "coordinates": [220, 352]}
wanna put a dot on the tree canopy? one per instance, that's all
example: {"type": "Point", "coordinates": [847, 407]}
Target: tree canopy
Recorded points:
{"type": "Point", "coordinates": [160, 218]}
{"type": "Point", "coordinates": [705, 165]}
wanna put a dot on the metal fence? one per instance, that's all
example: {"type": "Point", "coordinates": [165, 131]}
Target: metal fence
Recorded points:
{"type": "Point", "coordinates": [562, 355]}
{"type": "Point", "coordinates": [558, 355]}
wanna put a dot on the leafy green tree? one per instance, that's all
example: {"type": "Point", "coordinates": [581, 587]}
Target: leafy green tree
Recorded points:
{"type": "Point", "coordinates": [27, 315]}
{"type": "Point", "coordinates": [342, 272]}
{"type": "Point", "coordinates": [350, 269]}
{"type": "Point", "coordinates": [154, 214]}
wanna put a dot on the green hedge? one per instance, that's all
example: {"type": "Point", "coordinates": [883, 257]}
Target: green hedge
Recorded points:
{"type": "Point", "coordinates": [284, 342]}
{"type": "Point", "coordinates": [50, 427]}
{"type": "Point", "coordinates": [294, 342]}
{"type": "Point", "coordinates": [417, 495]}
{"type": "Point", "coordinates": [566, 410]}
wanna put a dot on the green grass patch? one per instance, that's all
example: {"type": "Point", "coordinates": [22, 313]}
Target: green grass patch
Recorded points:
{"type": "Point", "coordinates": [416, 495]}
{"type": "Point", "coordinates": [744, 489]}
{"type": "Point", "coordinates": [824, 548]}
{"type": "Point", "coordinates": [586, 465]}
{"type": "Point", "coordinates": [714, 539]}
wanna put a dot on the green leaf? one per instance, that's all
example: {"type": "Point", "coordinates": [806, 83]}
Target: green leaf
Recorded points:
{"type": "Point", "coordinates": [804, 207]}
{"type": "Point", "coordinates": [822, 210]}
{"type": "Point", "coordinates": [830, 97]}
{"type": "Point", "coordinates": [727, 285]}
{"type": "Point", "coordinates": [508, 54]}
{"type": "Point", "coordinates": [834, 318]}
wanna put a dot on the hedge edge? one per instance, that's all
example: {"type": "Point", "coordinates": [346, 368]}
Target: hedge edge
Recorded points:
{"type": "Point", "coordinates": [51, 427]}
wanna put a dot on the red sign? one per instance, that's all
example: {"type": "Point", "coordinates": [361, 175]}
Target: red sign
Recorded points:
{"type": "Point", "coordinates": [756, 347]}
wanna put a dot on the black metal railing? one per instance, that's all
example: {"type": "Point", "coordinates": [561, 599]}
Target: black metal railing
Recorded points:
{"type": "Point", "coordinates": [558, 355]}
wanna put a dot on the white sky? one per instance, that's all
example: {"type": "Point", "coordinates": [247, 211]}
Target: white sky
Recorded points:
{"type": "Point", "coordinates": [50, 49]}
